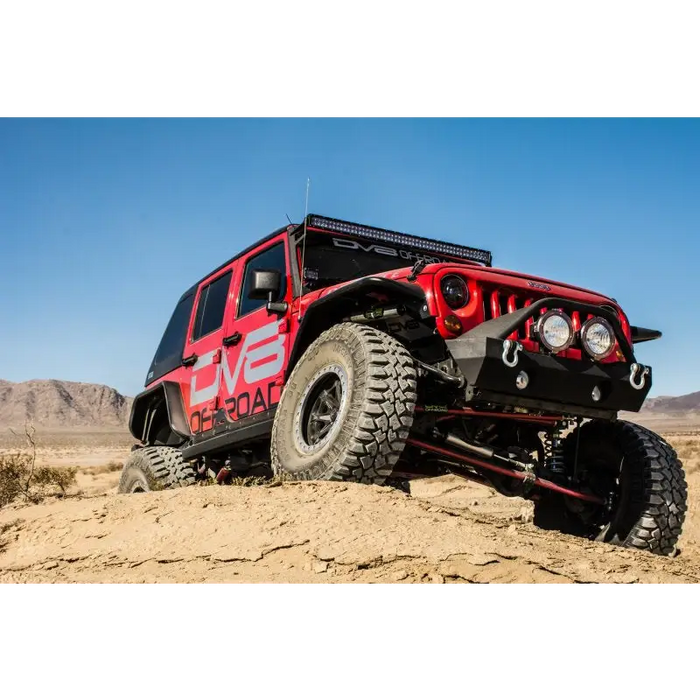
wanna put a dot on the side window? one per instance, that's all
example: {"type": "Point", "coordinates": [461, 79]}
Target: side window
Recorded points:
{"type": "Point", "coordinates": [169, 352]}
{"type": "Point", "coordinates": [211, 306]}
{"type": "Point", "coordinates": [173, 340]}
{"type": "Point", "coordinates": [270, 259]}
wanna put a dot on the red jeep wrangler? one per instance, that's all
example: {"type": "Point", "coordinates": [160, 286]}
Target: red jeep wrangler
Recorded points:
{"type": "Point", "coordinates": [332, 350]}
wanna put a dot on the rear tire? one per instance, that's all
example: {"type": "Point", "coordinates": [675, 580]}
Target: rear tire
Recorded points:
{"type": "Point", "coordinates": [647, 481]}
{"type": "Point", "coordinates": [347, 408]}
{"type": "Point", "coordinates": [155, 469]}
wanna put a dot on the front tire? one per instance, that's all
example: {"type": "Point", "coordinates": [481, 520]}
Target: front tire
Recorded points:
{"type": "Point", "coordinates": [641, 472]}
{"type": "Point", "coordinates": [347, 409]}
{"type": "Point", "coordinates": [155, 469]}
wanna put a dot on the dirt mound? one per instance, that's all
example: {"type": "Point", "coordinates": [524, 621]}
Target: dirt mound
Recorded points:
{"type": "Point", "coordinates": [50, 403]}
{"type": "Point", "coordinates": [315, 531]}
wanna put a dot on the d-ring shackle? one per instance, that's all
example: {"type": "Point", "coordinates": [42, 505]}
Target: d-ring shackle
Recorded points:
{"type": "Point", "coordinates": [507, 345]}
{"type": "Point", "coordinates": [638, 375]}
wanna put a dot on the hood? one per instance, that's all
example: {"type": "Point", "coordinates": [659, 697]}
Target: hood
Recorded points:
{"type": "Point", "coordinates": [539, 284]}
{"type": "Point", "coordinates": [490, 277]}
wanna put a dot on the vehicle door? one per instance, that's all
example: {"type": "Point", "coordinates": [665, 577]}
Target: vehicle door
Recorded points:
{"type": "Point", "coordinates": [203, 349]}
{"type": "Point", "coordinates": [256, 342]}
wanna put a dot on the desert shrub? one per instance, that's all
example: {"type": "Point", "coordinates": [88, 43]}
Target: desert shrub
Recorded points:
{"type": "Point", "coordinates": [14, 470]}
{"type": "Point", "coordinates": [21, 478]}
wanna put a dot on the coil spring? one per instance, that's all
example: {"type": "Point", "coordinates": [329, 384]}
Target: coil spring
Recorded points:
{"type": "Point", "coordinates": [554, 449]}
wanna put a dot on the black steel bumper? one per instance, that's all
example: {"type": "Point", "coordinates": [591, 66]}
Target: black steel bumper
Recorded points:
{"type": "Point", "coordinates": [554, 383]}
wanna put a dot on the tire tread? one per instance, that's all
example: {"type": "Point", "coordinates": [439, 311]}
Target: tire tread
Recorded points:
{"type": "Point", "coordinates": [162, 466]}
{"type": "Point", "coordinates": [658, 485]}
{"type": "Point", "coordinates": [385, 415]}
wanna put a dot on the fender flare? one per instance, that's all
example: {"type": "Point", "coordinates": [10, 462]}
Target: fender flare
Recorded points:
{"type": "Point", "coordinates": [329, 309]}
{"type": "Point", "coordinates": [163, 397]}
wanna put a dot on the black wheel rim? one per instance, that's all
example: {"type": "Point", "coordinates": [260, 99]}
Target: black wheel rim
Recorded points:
{"type": "Point", "coordinates": [322, 414]}
{"type": "Point", "coordinates": [320, 408]}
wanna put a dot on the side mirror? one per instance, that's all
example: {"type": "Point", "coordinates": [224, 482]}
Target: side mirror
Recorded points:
{"type": "Point", "coordinates": [267, 284]}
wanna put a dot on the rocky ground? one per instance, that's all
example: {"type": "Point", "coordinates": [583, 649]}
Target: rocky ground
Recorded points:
{"type": "Point", "coordinates": [447, 531]}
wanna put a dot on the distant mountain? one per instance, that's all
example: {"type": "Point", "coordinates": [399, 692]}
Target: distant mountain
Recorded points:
{"type": "Point", "coordinates": [51, 403]}
{"type": "Point", "coordinates": [673, 404]}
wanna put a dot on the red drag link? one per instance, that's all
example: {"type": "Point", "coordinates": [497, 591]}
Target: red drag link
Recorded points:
{"type": "Point", "coordinates": [543, 483]}
{"type": "Point", "coordinates": [468, 412]}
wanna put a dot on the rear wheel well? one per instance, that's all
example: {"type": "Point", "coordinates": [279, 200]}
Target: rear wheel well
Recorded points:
{"type": "Point", "coordinates": [161, 433]}
{"type": "Point", "coordinates": [157, 416]}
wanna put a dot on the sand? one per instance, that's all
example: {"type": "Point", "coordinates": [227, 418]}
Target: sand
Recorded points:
{"type": "Point", "coordinates": [447, 531]}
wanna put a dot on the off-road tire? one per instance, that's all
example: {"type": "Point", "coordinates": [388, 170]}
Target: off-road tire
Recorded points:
{"type": "Point", "coordinates": [375, 420]}
{"type": "Point", "coordinates": [652, 498]}
{"type": "Point", "coordinates": [155, 469]}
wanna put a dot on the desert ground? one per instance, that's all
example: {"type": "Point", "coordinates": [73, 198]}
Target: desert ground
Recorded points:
{"type": "Point", "coordinates": [447, 531]}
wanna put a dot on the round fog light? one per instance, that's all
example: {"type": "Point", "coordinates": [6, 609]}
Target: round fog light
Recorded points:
{"type": "Point", "coordinates": [555, 331]}
{"type": "Point", "coordinates": [522, 380]}
{"type": "Point", "coordinates": [596, 394]}
{"type": "Point", "coordinates": [598, 338]}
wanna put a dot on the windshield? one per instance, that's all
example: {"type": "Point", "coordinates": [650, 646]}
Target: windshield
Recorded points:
{"type": "Point", "coordinates": [333, 259]}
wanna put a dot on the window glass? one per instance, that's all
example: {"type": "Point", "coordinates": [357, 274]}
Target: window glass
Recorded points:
{"type": "Point", "coordinates": [169, 352]}
{"type": "Point", "coordinates": [173, 340]}
{"type": "Point", "coordinates": [211, 306]}
{"type": "Point", "coordinates": [271, 259]}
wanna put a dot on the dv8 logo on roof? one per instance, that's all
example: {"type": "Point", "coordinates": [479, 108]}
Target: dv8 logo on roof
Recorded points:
{"type": "Point", "coordinates": [408, 255]}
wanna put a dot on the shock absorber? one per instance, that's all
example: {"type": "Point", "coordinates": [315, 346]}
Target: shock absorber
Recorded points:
{"type": "Point", "coordinates": [554, 449]}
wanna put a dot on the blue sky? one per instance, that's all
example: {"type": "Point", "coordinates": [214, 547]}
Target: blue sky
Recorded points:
{"type": "Point", "coordinates": [103, 223]}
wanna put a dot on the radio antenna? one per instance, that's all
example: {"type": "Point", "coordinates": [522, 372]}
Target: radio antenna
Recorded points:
{"type": "Point", "coordinates": [303, 245]}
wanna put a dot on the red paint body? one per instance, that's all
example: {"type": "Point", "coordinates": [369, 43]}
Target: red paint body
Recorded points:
{"type": "Point", "coordinates": [237, 398]}
{"type": "Point", "coordinates": [233, 371]}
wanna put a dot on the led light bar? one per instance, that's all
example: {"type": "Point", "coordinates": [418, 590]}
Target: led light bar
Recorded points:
{"type": "Point", "coordinates": [429, 245]}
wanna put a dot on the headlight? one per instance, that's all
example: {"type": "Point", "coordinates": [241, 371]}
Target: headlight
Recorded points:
{"type": "Point", "coordinates": [455, 292]}
{"type": "Point", "coordinates": [555, 330]}
{"type": "Point", "coordinates": [598, 338]}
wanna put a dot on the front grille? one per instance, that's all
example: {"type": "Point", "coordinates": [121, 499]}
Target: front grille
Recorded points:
{"type": "Point", "coordinates": [499, 302]}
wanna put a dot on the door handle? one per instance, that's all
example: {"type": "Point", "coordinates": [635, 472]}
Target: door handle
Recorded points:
{"type": "Point", "coordinates": [232, 339]}
{"type": "Point", "coordinates": [190, 360]}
